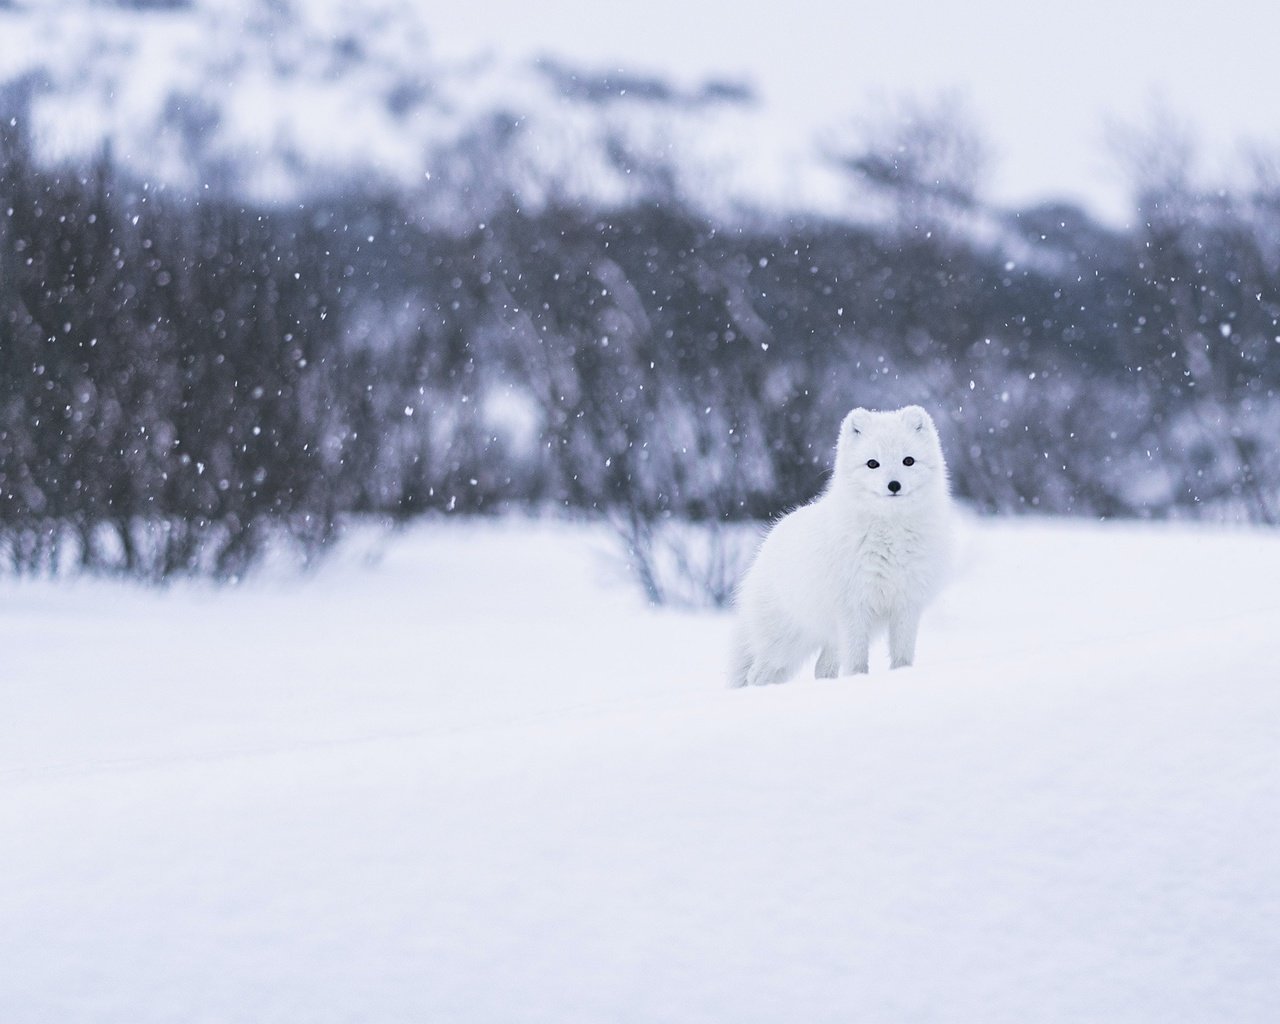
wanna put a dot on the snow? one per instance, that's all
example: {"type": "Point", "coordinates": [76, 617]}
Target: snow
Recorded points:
{"type": "Point", "coordinates": [841, 62]}
{"type": "Point", "coordinates": [462, 773]}
{"type": "Point", "coordinates": [277, 103]}
{"type": "Point", "coordinates": [282, 104]}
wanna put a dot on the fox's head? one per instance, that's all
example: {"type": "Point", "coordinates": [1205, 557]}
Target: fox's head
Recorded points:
{"type": "Point", "coordinates": [889, 456]}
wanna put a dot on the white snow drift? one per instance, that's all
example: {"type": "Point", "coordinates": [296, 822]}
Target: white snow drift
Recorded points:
{"type": "Point", "coordinates": [476, 780]}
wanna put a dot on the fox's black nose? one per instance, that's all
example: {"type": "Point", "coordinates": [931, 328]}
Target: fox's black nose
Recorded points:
{"type": "Point", "coordinates": [895, 486]}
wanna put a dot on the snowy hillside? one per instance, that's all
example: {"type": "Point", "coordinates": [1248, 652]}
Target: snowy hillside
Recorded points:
{"type": "Point", "coordinates": [474, 779]}
{"type": "Point", "coordinates": [279, 101]}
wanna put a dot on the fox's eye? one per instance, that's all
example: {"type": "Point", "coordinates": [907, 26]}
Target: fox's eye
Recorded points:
{"type": "Point", "coordinates": [908, 461]}
{"type": "Point", "coordinates": [872, 464]}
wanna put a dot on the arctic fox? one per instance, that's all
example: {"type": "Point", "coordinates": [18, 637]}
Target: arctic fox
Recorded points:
{"type": "Point", "coordinates": [863, 557]}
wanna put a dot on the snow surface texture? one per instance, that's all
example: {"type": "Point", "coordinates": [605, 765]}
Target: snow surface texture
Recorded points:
{"type": "Point", "coordinates": [476, 780]}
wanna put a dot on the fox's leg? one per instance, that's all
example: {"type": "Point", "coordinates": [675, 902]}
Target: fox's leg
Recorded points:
{"type": "Point", "coordinates": [828, 666]}
{"type": "Point", "coordinates": [777, 650]}
{"type": "Point", "coordinates": [855, 646]}
{"type": "Point", "coordinates": [904, 624]}
{"type": "Point", "coordinates": [766, 673]}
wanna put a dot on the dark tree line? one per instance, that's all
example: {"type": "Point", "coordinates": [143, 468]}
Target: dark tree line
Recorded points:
{"type": "Point", "coordinates": [164, 377]}
{"type": "Point", "coordinates": [183, 379]}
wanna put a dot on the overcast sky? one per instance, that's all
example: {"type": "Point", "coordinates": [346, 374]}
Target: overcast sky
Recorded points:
{"type": "Point", "coordinates": [1043, 80]}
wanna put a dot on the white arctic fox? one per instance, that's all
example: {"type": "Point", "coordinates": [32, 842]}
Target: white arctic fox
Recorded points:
{"type": "Point", "coordinates": [865, 556]}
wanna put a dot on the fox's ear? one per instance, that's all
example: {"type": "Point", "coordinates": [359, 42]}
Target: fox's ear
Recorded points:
{"type": "Point", "coordinates": [854, 423]}
{"type": "Point", "coordinates": [917, 418]}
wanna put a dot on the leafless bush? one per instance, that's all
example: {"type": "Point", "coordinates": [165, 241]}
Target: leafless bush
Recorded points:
{"type": "Point", "coordinates": [683, 564]}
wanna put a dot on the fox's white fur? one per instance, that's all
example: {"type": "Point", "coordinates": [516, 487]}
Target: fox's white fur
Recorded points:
{"type": "Point", "coordinates": [863, 558]}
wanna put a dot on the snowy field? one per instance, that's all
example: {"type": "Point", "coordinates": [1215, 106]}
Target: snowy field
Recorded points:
{"type": "Point", "coordinates": [473, 778]}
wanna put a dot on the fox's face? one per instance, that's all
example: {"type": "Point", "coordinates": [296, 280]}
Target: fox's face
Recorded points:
{"type": "Point", "coordinates": [889, 456]}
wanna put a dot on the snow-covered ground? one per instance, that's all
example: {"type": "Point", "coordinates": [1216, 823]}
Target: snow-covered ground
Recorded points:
{"type": "Point", "coordinates": [475, 779]}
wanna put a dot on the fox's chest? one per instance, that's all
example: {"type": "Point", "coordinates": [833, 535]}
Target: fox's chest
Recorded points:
{"type": "Point", "coordinates": [885, 562]}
